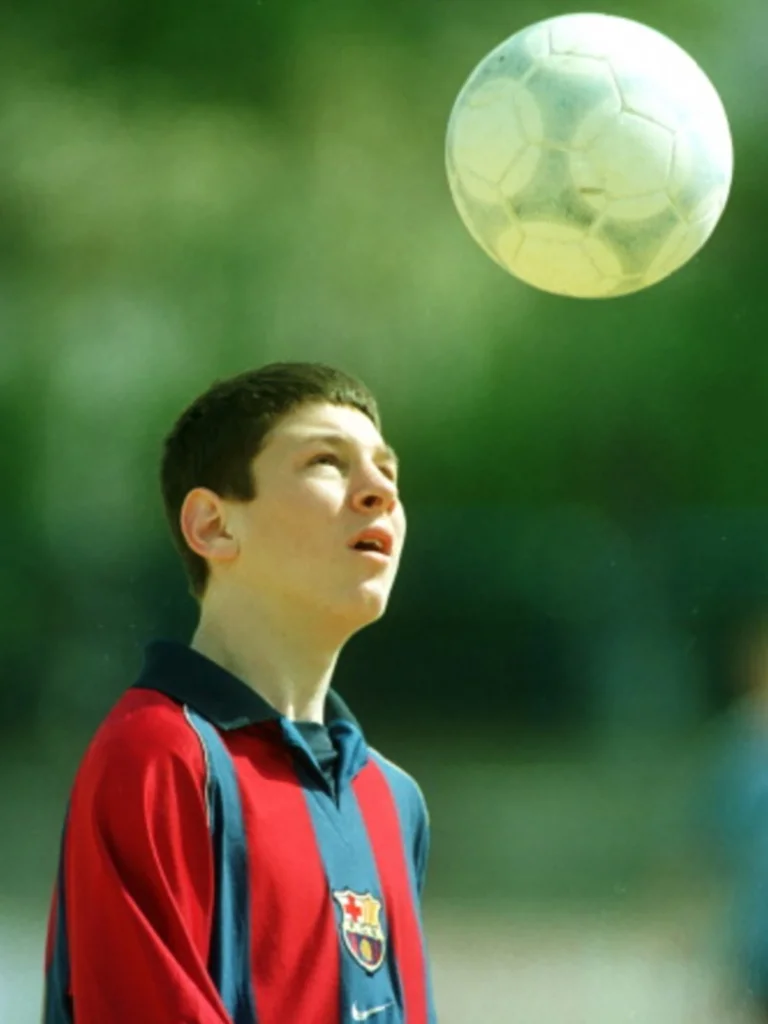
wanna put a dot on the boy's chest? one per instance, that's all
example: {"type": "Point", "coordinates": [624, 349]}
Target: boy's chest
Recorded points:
{"type": "Point", "coordinates": [325, 905]}
{"type": "Point", "coordinates": [306, 848]}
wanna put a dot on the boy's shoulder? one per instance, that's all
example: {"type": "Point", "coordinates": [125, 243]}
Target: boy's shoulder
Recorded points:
{"type": "Point", "coordinates": [406, 789]}
{"type": "Point", "coordinates": [144, 728]}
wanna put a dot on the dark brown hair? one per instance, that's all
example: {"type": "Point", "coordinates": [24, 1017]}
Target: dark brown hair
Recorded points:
{"type": "Point", "coordinates": [214, 441]}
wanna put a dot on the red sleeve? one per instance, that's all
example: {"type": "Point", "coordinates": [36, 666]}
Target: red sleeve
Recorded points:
{"type": "Point", "coordinates": [139, 873]}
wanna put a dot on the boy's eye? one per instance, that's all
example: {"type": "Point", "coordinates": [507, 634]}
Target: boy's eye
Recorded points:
{"type": "Point", "coordinates": [334, 459]}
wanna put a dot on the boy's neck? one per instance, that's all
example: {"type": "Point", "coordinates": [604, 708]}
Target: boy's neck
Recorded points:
{"type": "Point", "coordinates": [281, 658]}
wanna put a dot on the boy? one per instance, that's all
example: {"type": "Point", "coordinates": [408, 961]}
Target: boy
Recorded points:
{"type": "Point", "coordinates": [234, 852]}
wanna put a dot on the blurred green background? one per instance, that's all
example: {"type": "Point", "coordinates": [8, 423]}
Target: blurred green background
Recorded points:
{"type": "Point", "coordinates": [187, 191]}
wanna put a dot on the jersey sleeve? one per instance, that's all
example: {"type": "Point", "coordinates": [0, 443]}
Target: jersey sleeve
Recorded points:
{"type": "Point", "coordinates": [138, 877]}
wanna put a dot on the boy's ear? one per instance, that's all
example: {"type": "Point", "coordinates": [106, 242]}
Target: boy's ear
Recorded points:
{"type": "Point", "coordinates": [204, 525]}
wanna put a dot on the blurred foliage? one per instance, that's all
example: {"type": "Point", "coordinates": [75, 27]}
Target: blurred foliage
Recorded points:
{"type": "Point", "coordinates": [186, 191]}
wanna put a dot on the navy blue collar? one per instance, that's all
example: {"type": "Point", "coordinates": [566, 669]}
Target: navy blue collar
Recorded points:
{"type": "Point", "coordinates": [190, 678]}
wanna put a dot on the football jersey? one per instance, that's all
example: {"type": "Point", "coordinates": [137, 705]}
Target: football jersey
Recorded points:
{"type": "Point", "coordinates": [324, 849]}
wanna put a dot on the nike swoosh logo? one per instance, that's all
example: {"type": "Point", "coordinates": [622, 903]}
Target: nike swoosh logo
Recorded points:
{"type": "Point", "coordinates": [367, 1014]}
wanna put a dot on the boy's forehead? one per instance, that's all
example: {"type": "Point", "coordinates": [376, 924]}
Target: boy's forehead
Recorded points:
{"type": "Point", "coordinates": [316, 419]}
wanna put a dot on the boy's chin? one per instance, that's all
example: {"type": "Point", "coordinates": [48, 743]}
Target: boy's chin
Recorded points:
{"type": "Point", "coordinates": [368, 605]}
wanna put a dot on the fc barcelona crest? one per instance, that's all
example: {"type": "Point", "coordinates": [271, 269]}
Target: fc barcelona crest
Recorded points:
{"type": "Point", "coordinates": [361, 927]}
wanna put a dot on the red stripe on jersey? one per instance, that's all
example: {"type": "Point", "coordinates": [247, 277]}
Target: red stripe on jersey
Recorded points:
{"type": "Point", "coordinates": [382, 821]}
{"type": "Point", "coordinates": [295, 942]}
{"type": "Point", "coordinates": [138, 880]}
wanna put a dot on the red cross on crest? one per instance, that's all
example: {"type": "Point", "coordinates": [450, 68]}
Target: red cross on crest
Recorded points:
{"type": "Point", "coordinates": [352, 908]}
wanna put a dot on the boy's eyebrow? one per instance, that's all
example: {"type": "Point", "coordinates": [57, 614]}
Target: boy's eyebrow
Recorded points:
{"type": "Point", "coordinates": [341, 440]}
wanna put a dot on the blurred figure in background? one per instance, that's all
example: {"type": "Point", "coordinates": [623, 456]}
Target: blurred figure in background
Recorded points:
{"type": "Point", "coordinates": [736, 815]}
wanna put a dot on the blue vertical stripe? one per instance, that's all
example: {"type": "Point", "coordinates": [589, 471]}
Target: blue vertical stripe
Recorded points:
{"type": "Point", "coordinates": [57, 1003]}
{"type": "Point", "coordinates": [230, 957]}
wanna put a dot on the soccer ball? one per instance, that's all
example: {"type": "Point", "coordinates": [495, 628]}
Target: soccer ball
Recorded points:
{"type": "Point", "coordinates": [589, 155]}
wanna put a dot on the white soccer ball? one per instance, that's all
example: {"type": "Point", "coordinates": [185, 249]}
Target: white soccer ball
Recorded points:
{"type": "Point", "coordinates": [589, 155]}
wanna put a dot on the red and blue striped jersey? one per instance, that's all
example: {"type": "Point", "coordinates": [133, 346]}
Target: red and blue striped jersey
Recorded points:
{"type": "Point", "coordinates": [211, 874]}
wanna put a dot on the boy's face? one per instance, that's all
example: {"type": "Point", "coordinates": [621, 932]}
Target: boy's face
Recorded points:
{"type": "Point", "coordinates": [323, 476]}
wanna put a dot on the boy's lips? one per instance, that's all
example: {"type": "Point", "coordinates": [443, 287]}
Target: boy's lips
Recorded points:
{"type": "Point", "coordinates": [374, 539]}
